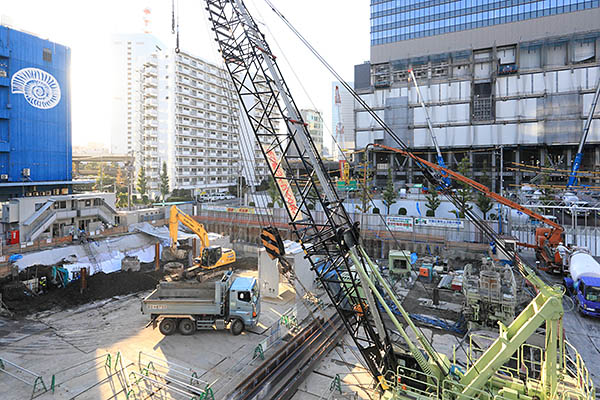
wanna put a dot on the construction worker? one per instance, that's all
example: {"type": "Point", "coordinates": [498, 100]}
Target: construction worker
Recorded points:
{"type": "Point", "coordinates": [564, 252]}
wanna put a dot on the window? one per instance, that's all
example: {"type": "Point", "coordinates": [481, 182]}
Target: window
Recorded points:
{"type": "Point", "coordinates": [47, 55]}
{"type": "Point", "coordinates": [244, 296]}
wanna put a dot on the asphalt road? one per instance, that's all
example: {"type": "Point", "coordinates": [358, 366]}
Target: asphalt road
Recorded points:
{"type": "Point", "coordinates": [581, 332]}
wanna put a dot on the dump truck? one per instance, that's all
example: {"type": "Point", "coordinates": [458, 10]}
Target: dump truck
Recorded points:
{"type": "Point", "coordinates": [187, 306]}
{"type": "Point", "coordinates": [583, 282]}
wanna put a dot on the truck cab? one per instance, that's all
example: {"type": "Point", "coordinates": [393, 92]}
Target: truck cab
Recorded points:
{"type": "Point", "coordinates": [244, 301]}
{"type": "Point", "coordinates": [586, 293]}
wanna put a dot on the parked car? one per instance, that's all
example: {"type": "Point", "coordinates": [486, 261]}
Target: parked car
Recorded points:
{"type": "Point", "coordinates": [579, 208]}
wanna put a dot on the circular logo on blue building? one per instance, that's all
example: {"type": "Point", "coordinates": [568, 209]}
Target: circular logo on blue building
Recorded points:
{"type": "Point", "coordinates": [40, 89]}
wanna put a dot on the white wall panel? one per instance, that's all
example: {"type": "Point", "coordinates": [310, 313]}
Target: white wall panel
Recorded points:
{"type": "Point", "coordinates": [506, 110]}
{"type": "Point", "coordinates": [528, 133]}
{"type": "Point", "coordinates": [444, 91]}
{"type": "Point", "coordinates": [453, 91]}
{"type": "Point", "coordinates": [513, 86]}
{"type": "Point", "coordinates": [364, 119]}
{"type": "Point", "coordinates": [525, 83]}
{"type": "Point", "coordinates": [550, 81]}
{"type": "Point", "coordinates": [465, 90]}
{"type": "Point", "coordinates": [594, 135]}
{"type": "Point", "coordinates": [539, 83]}
{"type": "Point", "coordinates": [566, 81]}
{"type": "Point", "coordinates": [458, 113]}
{"type": "Point", "coordinates": [463, 112]}
{"type": "Point", "coordinates": [483, 135]}
{"type": "Point", "coordinates": [483, 70]}
{"type": "Point", "coordinates": [403, 92]}
{"type": "Point", "coordinates": [419, 116]}
{"type": "Point", "coordinates": [528, 108]}
{"type": "Point", "coordinates": [395, 92]}
{"type": "Point", "coordinates": [587, 103]}
{"type": "Point", "coordinates": [506, 134]}
{"type": "Point", "coordinates": [459, 136]}
{"type": "Point", "coordinates": [592, 77]}
{"type": "Point", "coordinates": [422, 139]}
{"type": "Point", "coordinates": [367, 137]}
{"type": "Point", "coordinates": [501, 87]}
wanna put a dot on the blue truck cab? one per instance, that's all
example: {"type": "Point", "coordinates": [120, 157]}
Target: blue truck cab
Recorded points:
{"type": "Point", "coordinates": [244, 300]}
{"type": "Point", "coordinates": [586, 294]}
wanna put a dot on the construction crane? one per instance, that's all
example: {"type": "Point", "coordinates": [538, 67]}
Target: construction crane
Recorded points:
{"type": "Point", "coordinates": [339, 127]}
{"type": "Point", "coordinates": [439, 157]}
{"type": "Point", "coordinates": [586, 130]}
{"type": "Point", "coordinates": [350, 278]}
{"type": "Point", "coordinates": [211, 257]}
{"type": "Point", "coordinates": [546, 238]}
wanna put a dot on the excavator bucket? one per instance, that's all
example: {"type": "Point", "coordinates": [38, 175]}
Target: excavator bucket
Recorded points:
{"type": "Point", "coordinates": [271, 240]}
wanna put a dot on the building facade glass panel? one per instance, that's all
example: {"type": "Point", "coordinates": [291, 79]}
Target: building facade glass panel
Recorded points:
{"type": "Point", "coordinates": [395, 20]}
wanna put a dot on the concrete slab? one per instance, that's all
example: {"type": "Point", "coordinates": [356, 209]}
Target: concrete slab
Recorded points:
{"type": "Point", "coordinates": [53, 341]}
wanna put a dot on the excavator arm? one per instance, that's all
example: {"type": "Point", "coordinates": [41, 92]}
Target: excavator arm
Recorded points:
{"type": "Point", "coordinates": [178, 216]}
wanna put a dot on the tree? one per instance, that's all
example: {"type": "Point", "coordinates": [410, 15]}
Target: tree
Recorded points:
{"type": "Point", "coordinates": [364, 180]}
{"type": "Point", "coordinates": [389, 194]}
{"type": "Point", "coordinates": [483, 202]}
{"type": "Point", "coordinates": [120, 181]}
{"type": "Point", "coordinates": [273, 192]}
{"type": "Point", "coordinates": [463, 193]}
{"type": "Point", "coordinates": [142, 185]}
{"type": "Point", "coordinates": [122, 200]}
{"type": "Point", "coordinates": [164, 182]}
{"type": "Point", "coordinates": [433, 202]}
{"type": "Point", "coordinates": [263, 186]}
{"type": "Point", "coordinates": [104, 180]}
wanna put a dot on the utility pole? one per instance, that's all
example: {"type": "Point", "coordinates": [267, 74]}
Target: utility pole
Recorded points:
{"type": "Point", "coordinates": [129, 183]}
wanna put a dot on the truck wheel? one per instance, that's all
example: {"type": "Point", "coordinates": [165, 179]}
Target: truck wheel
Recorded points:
{"type": "Point", "coordinates": [167, 326]}
{"type": "Point", "coordinates": [236, 327]}
{"type": "Point", "coordinates": [187, 326]}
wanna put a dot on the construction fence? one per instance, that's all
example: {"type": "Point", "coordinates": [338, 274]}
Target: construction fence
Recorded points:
{"type": "Point", "coordinates": [429, 230]}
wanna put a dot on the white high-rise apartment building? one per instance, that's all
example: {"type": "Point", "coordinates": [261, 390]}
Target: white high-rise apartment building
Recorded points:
{"type": "Point", "coordinates": [190, 120]}
{"type": "Point", "coordinates": [314, 121]}
{"type": "Point", "coordinates": [129, 52]}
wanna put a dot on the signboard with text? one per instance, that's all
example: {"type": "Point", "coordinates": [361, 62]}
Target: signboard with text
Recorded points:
{"type": "Point", "coordinates": [440, 222]}
{"type": "Point", "coordinates": [403, 224]}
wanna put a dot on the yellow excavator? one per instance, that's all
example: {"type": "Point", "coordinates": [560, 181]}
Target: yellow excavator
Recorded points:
{"type": "Point", "coordinates": [211, 257]}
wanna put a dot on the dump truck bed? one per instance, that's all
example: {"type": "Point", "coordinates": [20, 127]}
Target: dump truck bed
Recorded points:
{"type": "Point", "coordinates": [157, 304]}
{"type": "Point", "coordinates": [189, 298]}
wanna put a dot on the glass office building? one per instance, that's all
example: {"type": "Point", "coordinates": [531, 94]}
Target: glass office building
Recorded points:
{"type": "Point", "coordinates": [398, 20]}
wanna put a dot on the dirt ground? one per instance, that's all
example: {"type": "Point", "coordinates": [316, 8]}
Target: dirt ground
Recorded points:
{"type": "Point", "coordinates": [100, 286]}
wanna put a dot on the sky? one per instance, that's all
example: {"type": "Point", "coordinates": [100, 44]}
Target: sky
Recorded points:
{"type": "Point", "coordinates": [338, 29]}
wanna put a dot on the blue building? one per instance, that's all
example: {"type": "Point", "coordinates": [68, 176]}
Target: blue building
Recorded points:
{"type": "Point", "coordinates": [513, 80]}
{"type": "Point", "coordinates": [35, 116]}
{"type": "Point", "coordinates": [395, 20]}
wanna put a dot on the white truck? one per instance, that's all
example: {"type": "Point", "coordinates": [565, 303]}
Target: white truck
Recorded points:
{"type": "Point", "coordinates": [583, 282]}
{"type": "Point", "coordinates": [191, 306]}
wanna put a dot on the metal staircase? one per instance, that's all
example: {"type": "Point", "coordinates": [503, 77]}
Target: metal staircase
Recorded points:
{"type": "Point", "coordinates": [90, 255]}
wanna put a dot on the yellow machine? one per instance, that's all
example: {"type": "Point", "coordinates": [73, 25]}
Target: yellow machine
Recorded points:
{"type": "Point", "coordinates": [211, 257]}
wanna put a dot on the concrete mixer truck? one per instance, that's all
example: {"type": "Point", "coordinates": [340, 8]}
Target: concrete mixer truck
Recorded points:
{"type": "Point", "coordinates": [583, 282]}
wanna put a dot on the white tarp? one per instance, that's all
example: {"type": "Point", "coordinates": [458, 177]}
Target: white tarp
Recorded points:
{"type": "Point", "coordinates": [107, 252]}
{"type": "Point", "coordinates": [162, 233]}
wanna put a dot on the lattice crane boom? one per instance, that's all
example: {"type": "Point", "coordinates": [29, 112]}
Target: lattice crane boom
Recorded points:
{"type": "Point", "coordinates": [266, 99]}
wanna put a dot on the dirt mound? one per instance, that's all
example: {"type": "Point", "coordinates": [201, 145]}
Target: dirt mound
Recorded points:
{"type": "Point", "coordinates": [100, 286]}
{"type": "Point", "coordinates": [246, 263]}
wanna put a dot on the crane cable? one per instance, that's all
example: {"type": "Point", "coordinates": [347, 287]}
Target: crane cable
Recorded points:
{"type": "Point", "coordinates": [476, 220]}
